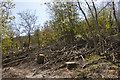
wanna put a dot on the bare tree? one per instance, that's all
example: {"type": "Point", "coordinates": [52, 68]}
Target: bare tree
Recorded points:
{"type": "Point", "coordinates": [28, 21]}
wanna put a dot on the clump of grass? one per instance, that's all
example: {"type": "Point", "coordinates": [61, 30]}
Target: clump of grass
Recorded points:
{"type": "Point", "coordinates": [113, 67]}
{"type": "Point", "coordinates": [116, 60]}
{"type": "Point", "coordinates": [93, 57]}
{"type": "Point", "coordinates": [82, 74]}
{"type": "Point", "coordinates": [94, 68]}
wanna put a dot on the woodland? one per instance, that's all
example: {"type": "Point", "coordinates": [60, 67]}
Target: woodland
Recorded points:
{"type": "Point", "coordinates": [82, 40]}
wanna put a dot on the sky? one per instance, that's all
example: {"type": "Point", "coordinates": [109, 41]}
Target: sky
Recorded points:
{"type": "Point", "coordinates": [41, 10]}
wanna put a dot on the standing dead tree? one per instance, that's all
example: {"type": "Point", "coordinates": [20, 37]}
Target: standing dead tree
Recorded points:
{"type": "Point", "coordinates": [28, 20]}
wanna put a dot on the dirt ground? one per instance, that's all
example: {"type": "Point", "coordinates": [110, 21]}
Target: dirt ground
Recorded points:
{"type": "Point", "coordinates": [55, 58]}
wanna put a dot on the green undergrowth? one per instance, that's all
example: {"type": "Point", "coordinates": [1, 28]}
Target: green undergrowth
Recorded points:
{"type": "Point", "coordinates": [113, 67]}
{"type": "Point", "coordinates": [93, 57]}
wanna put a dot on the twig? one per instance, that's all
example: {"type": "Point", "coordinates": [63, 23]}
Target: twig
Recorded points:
{"type": "Point", "coordinates": [82, 58]}
{"type": "Point", "coordinates": [41, 67]}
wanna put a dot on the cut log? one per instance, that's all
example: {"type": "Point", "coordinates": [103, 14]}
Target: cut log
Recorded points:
{"type": "Point", "coordinates": [71, 65]}
{"type": "Point", "coordinates": [40, 59]}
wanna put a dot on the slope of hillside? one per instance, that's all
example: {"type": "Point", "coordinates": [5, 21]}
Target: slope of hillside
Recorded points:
{"type": "Point", "coordinates": [89, 64]}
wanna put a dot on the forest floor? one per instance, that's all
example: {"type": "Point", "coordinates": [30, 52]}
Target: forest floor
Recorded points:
{"type": "Point", "coordinates": [91, 66]}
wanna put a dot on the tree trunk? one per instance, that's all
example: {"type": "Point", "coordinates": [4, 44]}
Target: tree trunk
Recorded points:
{"type": "Point", "coordinates": [84, 16]}
{"type": "Point", "coordinates": [12, 42]}
{"type": "Point", "coordinates": [29, 39]}
{"type": "Point", "coordinates": [116, 21]}
{"type": "Point", "coordinates": [20, 42]}
{"type": "Point", "coordinates": [97, 26]}
{"type": "Point", "coordinates": [93, 17]}
{"type": "Point", "coordinates": [91, 34]}
{"type": "Point", "coordinates": [110, 19]}
{"type": "Point", "coordinates": [38, 41]}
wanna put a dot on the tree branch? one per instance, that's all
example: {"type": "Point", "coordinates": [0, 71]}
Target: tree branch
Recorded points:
{"type": "Point", "coordinates": [90, 9]}
{"type": "Point", "coordinates": [104, 7]}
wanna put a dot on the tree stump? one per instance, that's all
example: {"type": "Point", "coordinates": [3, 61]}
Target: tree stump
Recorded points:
{"type": "Point", "coordinates": [40, 59]}
{"type": "Point", "coordinates": [71, 65]}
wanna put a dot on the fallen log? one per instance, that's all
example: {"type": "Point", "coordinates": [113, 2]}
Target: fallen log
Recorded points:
{"type": "Point", "coordinates": [14, 58]}
{"type": "Point", "coordinates": [12, 62]}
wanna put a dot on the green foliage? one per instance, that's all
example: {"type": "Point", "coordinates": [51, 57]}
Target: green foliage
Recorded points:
{"type": "Point", "coordinates": [93, 57]}
{"type": "Point", "coordinates": [65, 26]}
{"type": "Point", "coordinates": [5, 21]}
{"type": "Point", "coordinates": [65, 20]}
{"type": "Point", "coordinates": [82, 74]}
{"type": "Point", "coordinates": [37, 36]}
{"type": "Point", "coordinates": [49, 36]}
